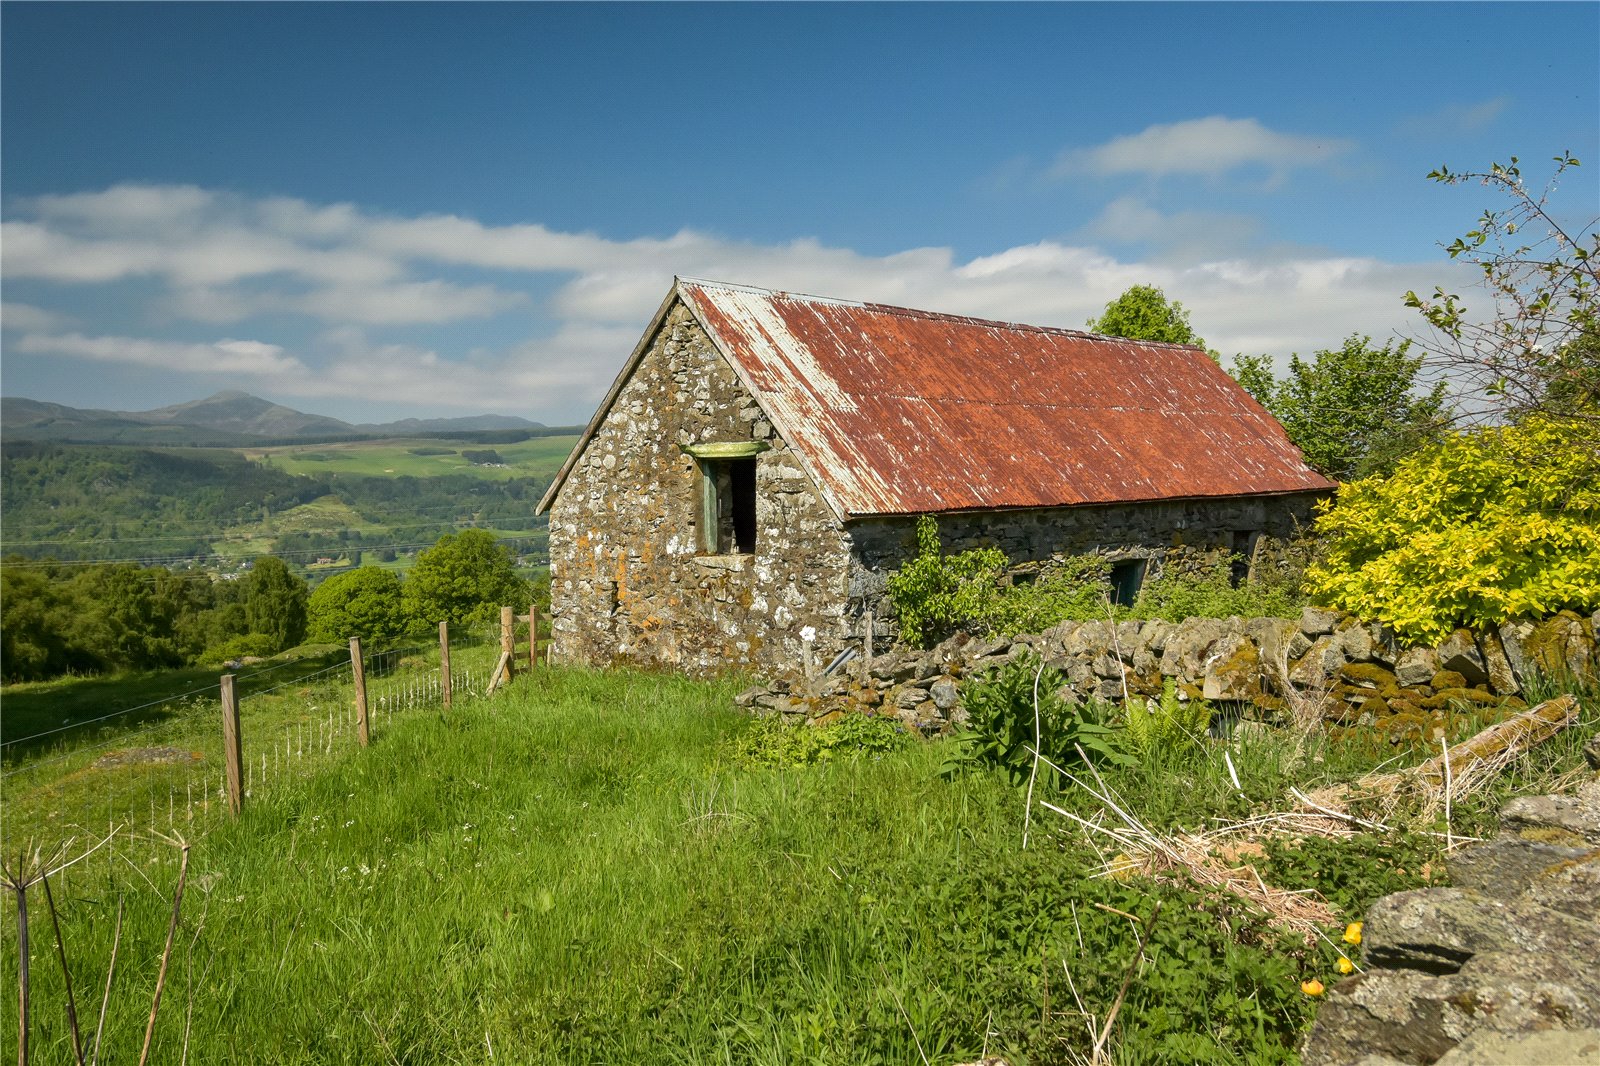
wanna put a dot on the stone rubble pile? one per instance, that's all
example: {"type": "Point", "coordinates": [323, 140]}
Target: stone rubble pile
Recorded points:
{"type": "Point", "coordinates": [1349, 673]}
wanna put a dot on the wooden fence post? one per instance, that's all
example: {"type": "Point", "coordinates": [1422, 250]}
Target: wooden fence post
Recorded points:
{"type": "Point", "coordinates": [444, 663]}
{"type": "Point", "coordinates": [866, 648]}
{"type": "Point", "coordinates": [508, 638]}
{"type": "Point", "coordinates": [359, 672]}
{"type": "Point", "coordinates": [533, 637]}
{"type": "Point", "coordinates": [232, 746]}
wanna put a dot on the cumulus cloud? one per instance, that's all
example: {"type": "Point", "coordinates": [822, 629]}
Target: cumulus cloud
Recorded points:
{"type": "Point", "coordinates": [354, 274]}
{"type": "Point", "coordinates": [1453, 119]}
{"type": "Point", "coordinates": [21, 316]}
{"type": "Point", "coordinates": [226, 356]}
{"type": "Point", "coordinates": [1209, 147]}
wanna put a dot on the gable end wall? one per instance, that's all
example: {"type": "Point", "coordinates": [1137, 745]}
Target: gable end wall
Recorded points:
{"type": "Point", "coordinates": [627, 581]}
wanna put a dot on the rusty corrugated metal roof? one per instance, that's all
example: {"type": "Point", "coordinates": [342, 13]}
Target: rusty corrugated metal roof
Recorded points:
{"type": "Point", "coordinates": [895, 411]}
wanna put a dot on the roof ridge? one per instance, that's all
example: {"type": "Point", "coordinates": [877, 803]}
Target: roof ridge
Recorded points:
{"type": "Point", "coordinates": [937, 316]}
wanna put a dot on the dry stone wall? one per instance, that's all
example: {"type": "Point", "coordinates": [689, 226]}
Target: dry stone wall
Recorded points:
{"type": "Point", "coordinates": [627, 580]}
{"type": "Point", "coordinates": [1324, 665]}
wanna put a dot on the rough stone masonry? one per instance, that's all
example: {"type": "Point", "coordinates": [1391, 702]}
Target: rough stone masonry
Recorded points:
{"type": "Point", "coordinates": [631, 581]}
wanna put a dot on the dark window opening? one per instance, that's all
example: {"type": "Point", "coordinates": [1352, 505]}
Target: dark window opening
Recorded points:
{"type": "Point", "coordinates": [1126, 577]}
{"type": "Point", "coordinates": [727, 519]}
{"type": "Point", "coordinates": [1244, 556]}
{"type": "Point", "coordinates": [742, 479]}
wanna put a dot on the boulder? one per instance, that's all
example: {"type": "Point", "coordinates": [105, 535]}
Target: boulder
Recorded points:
{"type": "Point", "coordinates": [1233, 671]}
{"type": "Point", "coordinates": [1574, 1047]}
{"type": "Point", "coordinates": [1459, 653]}
{"type": "Point", "coordinates": [1318, 664]}
{"type": "Point", "coordinates": [1316, 622]}
{"type": "Point", "coordinates": [1563, 820]}
{"type": "Point", "coordinates": [1416, 666]}
{"type": "Point", "coordinates": [1513, 641]}
{"type": "Point", "coordinates": [1502, 677]}
{"type": "Point", "coordinates": [944, 693]}
{"type": "Point", "coordinates": [1508, 867]}
{"type": "Point", "coordinates": [1356, 643]}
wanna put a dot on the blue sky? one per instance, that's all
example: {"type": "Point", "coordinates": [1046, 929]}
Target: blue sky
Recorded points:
{"type": "Point", "coordinates": [375, 210]}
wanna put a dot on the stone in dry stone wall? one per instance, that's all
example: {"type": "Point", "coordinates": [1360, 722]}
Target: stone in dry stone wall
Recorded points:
{"type": "Point", "coordinates": [627, 580]}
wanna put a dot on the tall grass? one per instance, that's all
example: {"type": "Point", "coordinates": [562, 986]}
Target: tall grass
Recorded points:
{"type": "Point", "coordinates": [583, 871]}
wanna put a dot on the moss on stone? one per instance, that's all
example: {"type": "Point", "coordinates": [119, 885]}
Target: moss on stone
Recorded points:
{"type": "Point", "coordinates": [1369, 675]}
{"type": "Point", "coordinates": [1447, 679]}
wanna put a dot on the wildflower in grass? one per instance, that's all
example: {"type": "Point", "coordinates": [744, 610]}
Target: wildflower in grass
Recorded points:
{"type": "Point", "coordinates": [1312, 987]}
{"type": "Point", "coordinates": [1352, 933]}
{"type": "Point", "coordinates": [1344, 965]}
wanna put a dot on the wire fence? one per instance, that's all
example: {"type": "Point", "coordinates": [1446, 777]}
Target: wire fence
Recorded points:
{"type": "Point", "coordinates": [168, 778]}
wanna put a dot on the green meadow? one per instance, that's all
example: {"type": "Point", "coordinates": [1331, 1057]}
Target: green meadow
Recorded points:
{"type": "Point", "coordinates": [618, 867]}
{"type": "Point", "coordinates": [417, 457]}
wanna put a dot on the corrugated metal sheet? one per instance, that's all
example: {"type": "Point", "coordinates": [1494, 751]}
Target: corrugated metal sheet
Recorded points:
{"type": "Point", "coordinates": [895, 411]}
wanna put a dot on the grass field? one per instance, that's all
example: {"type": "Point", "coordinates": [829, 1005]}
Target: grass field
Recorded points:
{"type": "Point", "coordinates": [535, 457]}
{"type": "Point", "coordinates": [584, 870]}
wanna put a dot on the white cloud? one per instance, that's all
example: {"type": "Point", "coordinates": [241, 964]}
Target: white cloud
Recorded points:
{"type": "Point", "coordinates": [227, 259]}
{"type": "Point", "coordinates": [226, 356]}
{"type": "Point", "coordinates": [21, 316]}
{"type": "Point", "coordinates": [1210, 147]}
{"type": "Point", "coordinates": [1455, 119]}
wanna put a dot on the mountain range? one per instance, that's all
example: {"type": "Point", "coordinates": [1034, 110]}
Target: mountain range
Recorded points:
{"type": "Point", "coordinates": [227, 419]}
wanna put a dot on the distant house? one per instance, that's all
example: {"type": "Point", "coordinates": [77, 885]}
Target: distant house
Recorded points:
{"type": "Point", "coordinates": [759, 464]}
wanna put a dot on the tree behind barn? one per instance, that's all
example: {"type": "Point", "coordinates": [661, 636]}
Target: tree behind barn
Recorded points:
{"type": "Point", "coordinates": [1354, 410]}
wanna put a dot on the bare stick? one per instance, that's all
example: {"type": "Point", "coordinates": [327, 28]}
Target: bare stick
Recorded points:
{"type": "Point", "coordinates": [66, 974]}
{"type": "Point", "coordinates": [1444, 743]}
{"type": "Point", "coordinates": [1127, 979]}
{"type": "Point", "coordinates": [166, 953]}
{"type": "Point", "coordinates": [21, 889]}
{"type": "Point", "coordinates": [105, 1000]}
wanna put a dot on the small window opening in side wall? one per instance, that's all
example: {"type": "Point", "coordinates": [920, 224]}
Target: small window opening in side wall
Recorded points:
{"type": "Point", "coordinates": [726, 519]}
{"type": "Point", "coordinates": [1126, 578]}
{"type": "Point", "coordinates": [1244, 555]}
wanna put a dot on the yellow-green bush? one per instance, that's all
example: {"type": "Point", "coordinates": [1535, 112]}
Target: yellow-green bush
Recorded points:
{"type": "Point", "coordinates": [1480, 528]}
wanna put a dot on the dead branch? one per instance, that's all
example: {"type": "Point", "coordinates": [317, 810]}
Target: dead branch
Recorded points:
{"type": "Point", "coordinates": [66, 972]}
{"type": "Point", "coordinates": [166, 953]}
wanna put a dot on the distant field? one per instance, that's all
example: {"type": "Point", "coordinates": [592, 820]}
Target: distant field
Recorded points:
{"type": "Point", "coordinates": [537, 457]}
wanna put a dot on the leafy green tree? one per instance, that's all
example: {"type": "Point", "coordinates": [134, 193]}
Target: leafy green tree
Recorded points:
{"type": "Point", "coordinates": [465, 577]}
{"type": "Point", "coordinates": [363, 603]}
{"type": "Point", "coordinates": [1143, 313]}
{"type": "Point", "coordinates": [275, 602]}
{"type": "Point", "coordinates": [37, 608]}
{"type": "Point", "coordinates": [1475, 529]}
{"type": "Point", "coordinates": [1533, 352]}
{"type": "Point", "coordinates": [1353, 410]}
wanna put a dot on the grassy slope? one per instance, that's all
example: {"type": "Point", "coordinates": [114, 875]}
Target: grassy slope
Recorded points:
{"type": "Point", "coordinates": [573, 873]}
{"type": "Point", "coordinates": [536, 457]}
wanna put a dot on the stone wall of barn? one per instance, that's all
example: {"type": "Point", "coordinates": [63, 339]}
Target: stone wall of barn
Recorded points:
{"type": "Point", "coordinates": [1172, 536]}
{"type": "Point", "coordinates": [628, 583]}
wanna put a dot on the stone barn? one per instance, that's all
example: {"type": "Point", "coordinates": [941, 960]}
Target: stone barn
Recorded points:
{"type": "Point", "coordinates": [759, 464]}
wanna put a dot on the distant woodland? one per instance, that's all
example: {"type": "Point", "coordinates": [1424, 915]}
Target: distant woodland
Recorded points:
{"type": "Point", "coordinates": [110, 503]}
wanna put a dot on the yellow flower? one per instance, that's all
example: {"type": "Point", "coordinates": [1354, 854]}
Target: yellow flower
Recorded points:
{"type": "Point", "coordinates": [1312, 987]}
{"type": "Point", "coordinates": [1344, 965]}
{"type": "Point", "coordinates": [1122, 867]}
{"type": "Point", "coordinates": [1352, 933]}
